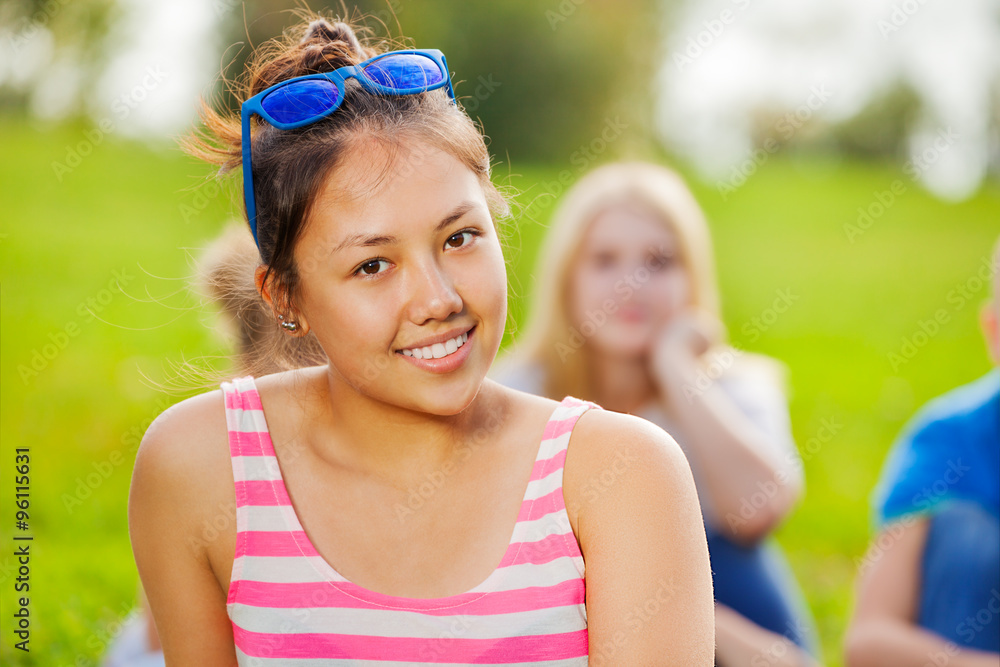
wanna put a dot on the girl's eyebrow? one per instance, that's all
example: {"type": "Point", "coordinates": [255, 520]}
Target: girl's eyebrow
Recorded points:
{"type": "Point", "coordinates": [362, 240]}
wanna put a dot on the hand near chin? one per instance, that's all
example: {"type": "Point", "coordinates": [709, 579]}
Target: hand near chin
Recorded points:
{"type": "Point", "coordinates": [679, 344]}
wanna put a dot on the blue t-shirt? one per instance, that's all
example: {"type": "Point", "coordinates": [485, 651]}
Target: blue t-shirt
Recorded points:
{"type": "Point", "coordinates": [949, 450]}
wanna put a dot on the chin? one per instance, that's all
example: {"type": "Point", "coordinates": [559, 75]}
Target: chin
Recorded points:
{"type": "Point", "coordinates": [621, 343]}
{"type": "Point", "coordinates": [449, 402]}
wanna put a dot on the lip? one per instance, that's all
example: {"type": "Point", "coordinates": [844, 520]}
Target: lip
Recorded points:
{"type": "Point", "coordinates": [440, 338]}
{"type": "Point", "coordinates": [445, 364]}
{"type": "Point", "coordinates": [632, 314]}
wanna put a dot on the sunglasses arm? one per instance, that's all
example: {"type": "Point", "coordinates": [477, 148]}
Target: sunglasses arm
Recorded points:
{"type": "Point", "coordinates": [246, 114]}
{"type": "Point", "coordinates": [447, 76]}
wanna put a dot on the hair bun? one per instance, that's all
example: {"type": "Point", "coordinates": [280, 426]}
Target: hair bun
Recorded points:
{"type": "Point", "coordinates": [322, 30]}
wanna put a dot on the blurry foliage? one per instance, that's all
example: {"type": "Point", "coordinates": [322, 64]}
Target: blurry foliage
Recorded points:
{"type": "Point", "coordinates": [881, 128]}
{"type": "Point", "coordinates": [80, 32]}
{"type": "Point", "coordinates": [543, 76]}
{"type": "Point", "coordinates": [540, 76]}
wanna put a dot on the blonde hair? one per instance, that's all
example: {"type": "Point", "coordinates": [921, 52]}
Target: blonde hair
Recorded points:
{"type": "Point", "coordinates": [549, 326]}
{"type": "Point", "coordinates": [225, 278]}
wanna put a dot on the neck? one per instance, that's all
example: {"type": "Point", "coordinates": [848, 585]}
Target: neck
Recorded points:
{"type": "Point", "coordinates": [395, 443]}
{"type": "Point", "coordinates": [622, 384]}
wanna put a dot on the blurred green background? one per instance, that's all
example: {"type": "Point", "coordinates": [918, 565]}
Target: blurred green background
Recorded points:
{"type": "Point", "coordinates": [98, 257]}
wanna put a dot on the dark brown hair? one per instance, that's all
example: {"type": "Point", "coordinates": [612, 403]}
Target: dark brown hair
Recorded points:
{"type": "Point", "coordinates": [290, 166]}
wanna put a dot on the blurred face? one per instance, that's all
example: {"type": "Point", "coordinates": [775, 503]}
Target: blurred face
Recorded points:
{"type": "Point", "coordinates": [403, 280]}
{"type": "Point", "coordinates": [628, 281]}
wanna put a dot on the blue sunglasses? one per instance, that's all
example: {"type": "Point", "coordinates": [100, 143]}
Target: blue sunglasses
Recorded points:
{"type": "Point", "coordinates": [305, 99]}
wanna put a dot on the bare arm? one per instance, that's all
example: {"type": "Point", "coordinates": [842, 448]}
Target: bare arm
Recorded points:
{"type": "Point", "coordinates": [751, 485]}
{"type": "Point", "coordinates": [167, 505]}
{"type": "Point", "coordinates": [735, 461]}
{"type": "Point", "coordinates": [740, 641]}
{"type": "Point", "coordinates": [737, 464]}
{"type": "Point", "coordinates": [649, 586]}
{"type": "Point", "coordinates": [883, 629]}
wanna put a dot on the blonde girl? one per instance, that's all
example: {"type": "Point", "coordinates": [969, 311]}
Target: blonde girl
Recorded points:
{"type": "Point", "coordinates": [625, 313]}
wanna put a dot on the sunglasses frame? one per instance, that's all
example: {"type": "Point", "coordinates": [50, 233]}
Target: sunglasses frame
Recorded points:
{"type": "Point", "coordinates": [253, 106]}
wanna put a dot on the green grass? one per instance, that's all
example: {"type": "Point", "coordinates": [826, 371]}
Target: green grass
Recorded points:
{"type": "Point", "coordinates": [136, 211]}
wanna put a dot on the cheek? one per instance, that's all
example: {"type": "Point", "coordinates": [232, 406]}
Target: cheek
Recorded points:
{"type": "Point", "coordinates": [670, 292]}
{"type": "Point", "coordinates": [485, 288]}
{"type": "Point", "coordinates": [350, 320]}
{"type": "Point", "coordinates": [588, 289]}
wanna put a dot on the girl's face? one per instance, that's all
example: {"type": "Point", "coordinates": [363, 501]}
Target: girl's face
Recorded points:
{"type": "Point", "coordinates": [400, 253]}
{"type": "Point", "coordinates": [628, 281]}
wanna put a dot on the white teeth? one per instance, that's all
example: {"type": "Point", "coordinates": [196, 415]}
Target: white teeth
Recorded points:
{"type": "Point", "coordinates": [438, 350]}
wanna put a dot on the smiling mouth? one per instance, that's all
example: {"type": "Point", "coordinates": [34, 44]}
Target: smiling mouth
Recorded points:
{"type": "Point", "coordinates": [438, 350]}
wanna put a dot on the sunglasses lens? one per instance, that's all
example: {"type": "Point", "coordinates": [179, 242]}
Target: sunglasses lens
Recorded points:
{"type": "Point", "coordinates": [405, 71]}
{"type": "Point", "coordinates": [301, 100]}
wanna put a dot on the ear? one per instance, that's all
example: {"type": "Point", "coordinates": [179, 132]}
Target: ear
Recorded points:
{"type": "Point", "coordinates": [275, 297]}
{"type": "Point", "coordinates": [988, 319]}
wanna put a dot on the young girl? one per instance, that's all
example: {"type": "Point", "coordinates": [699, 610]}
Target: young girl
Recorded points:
{"type": "Point", "coordinates": [392, 504]}
{"type": "Point", "coordinates": [627, 314]}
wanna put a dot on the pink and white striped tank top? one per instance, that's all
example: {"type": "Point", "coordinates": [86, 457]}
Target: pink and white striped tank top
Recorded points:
{"type": "Point", "coordinates": [288, 606]}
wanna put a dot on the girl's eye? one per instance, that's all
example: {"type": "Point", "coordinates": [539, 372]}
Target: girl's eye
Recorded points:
{"type": "Point", "coordinates": [370, 269]}
{"type": "Point", "coordinates": [603, 260]}
{"type": "Point", "coordinates": [470, 232]}
{"type": "Point", "coordinates": [657, 262]}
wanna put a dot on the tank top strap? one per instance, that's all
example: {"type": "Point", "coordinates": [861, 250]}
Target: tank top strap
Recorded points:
{"type": "Point", "coordinates": [262, 501]}
{"type": "Point", "coordinates": [248, 433]}
{"type": "Point", "coordinates": [544, 524]}
{"type": "Point", "coordinates": [555, 439]}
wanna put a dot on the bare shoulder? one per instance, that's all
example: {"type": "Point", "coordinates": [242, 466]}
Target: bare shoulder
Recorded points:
{"type": "Point", "coordinates": [183, 468]}
{"type": "Point", "coordinates": [609, 447]}
{"type": "Point", "coordinates": [524, 408]}
{"type": "Point", "coordinates": [602, 436]}
{"type": "Point", "coordinates": [186, 436]}
{"type": "Point", "coordinates": [634, 510]}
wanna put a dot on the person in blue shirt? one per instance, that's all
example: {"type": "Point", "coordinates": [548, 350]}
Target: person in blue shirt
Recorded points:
{"type": "Point", "coordinates": [929, 588]}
